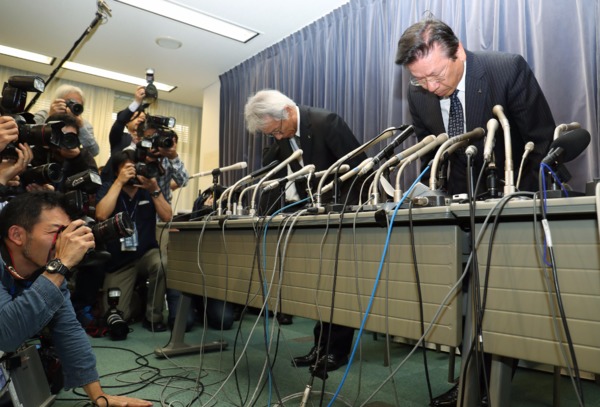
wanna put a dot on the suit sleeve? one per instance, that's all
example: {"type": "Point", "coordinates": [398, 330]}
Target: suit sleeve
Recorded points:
{"type": "Point", "coordinates": [530, 116]}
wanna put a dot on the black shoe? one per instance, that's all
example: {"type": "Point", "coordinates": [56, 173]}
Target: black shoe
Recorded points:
{"type": "Point", "coordinates": [447, 399]}
{"type": "Point", "coordinates": [154, 326]}
{"type": "Point", "coordinates": [309, 359]}
{"type": "Point", "coordinates": [328, 363]}
{"type": "Point", "coordinates": [284, 319]}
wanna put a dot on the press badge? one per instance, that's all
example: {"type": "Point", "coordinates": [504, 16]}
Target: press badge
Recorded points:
{"type": "Point", "coordinates": [130, 244]}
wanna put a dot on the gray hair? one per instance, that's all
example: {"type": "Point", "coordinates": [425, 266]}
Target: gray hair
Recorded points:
{"type": "Point", "coordinates": [64, 90]}
{"type": "Point", "coordinates": [264, 105]}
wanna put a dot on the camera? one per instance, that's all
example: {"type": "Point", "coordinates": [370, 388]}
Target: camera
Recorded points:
{"type": "Point", "coordinates": [14, 92]}
{"type": "Point", "coordinates": [75, 107]}
{"type": "Point", "coordinates": [151, 91]}
{"type": "Point", "coordinates": [42, 174]}
{"type": "Point", "coordinates": [79, 189]}
{"type": "Point", "coordinates": [155, 122]}
{"type": "Point", "coordinates": [148, 170]}
{"type": "Point", "coordinates": [116, 325]}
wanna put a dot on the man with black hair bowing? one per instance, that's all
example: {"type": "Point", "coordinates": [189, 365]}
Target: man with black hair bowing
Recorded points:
{"type": "Point", "coordinates": [40, 244]}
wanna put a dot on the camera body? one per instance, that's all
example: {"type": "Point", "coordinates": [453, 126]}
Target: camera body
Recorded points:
{"type": "Point", "coordinates": [115, 324]}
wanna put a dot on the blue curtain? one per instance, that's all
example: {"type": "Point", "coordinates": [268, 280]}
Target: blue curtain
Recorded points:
{"type": "Point", "coordinates": [344, 62]}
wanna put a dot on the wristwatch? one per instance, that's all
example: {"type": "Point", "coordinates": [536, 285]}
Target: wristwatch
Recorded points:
{"type": "Point", "coordinates": [55, 266]}
{"type": "Point", "coordinates": [155, 194]}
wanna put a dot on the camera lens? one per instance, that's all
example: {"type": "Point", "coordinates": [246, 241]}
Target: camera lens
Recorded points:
{"type": "Point", "coordinates": [118, 226]}
{"type": "Point", "coordinates": [76, 108]}
{"type": "Point", "coordinates": [117, 327]}
{"type": "Point", "coordinates": [42, 174]}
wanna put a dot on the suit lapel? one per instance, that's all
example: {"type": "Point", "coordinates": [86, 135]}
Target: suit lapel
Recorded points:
{"type": "Point", "coordinates": [476, 94]}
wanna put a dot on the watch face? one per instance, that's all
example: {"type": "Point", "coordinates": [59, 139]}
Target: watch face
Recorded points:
{"type": "Point", "coordinates": [55, 266]}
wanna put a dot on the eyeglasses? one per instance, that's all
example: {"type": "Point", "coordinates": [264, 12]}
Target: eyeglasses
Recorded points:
{"type": "Point", "coordinates": [432, 79]}
{"type": "Point", "coordinates": [276, 132]}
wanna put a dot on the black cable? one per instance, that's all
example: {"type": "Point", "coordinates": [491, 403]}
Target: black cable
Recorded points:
{"type": "Point", "coordinates": [419, 294]}
{"type": "Point", "coordinates": [334, 284]}
{"type": "Point", "coordinates": [558, 294]}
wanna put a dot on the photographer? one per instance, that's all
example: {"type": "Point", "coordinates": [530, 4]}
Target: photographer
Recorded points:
{"type": "Point", "coordinates": [70, 100]}
{"type": "Point", "coordinates": [129, 118]}
{"type": "Point", "coordinates": [143, 200]}
{"type": "Point", "coordinates": [40, 243]}
{"type": "Point", "coordinates": [10, 168]}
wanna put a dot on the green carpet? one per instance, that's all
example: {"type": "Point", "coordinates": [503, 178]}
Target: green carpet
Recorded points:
{"type": "Point", "coordinates": [130, 367]}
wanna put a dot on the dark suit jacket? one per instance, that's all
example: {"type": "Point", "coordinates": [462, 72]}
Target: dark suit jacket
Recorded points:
{"type": "Point", "coordinates": [493, 78]}
{"type": "Point", "coordinates": [324, 136]}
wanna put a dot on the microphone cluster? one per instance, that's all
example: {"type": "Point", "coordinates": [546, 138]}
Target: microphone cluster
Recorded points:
{"type": "Point", "coordinates": [569, 141]}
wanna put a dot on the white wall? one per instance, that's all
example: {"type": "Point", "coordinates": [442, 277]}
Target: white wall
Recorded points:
{"type": "Point", "coordinates": [209, 143]}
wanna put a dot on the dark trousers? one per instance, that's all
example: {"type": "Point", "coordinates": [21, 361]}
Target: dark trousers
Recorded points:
{"type": "Point", "coordinates": [340, 341]}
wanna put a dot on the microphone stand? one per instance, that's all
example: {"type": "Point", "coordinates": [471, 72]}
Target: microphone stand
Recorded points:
{"type": "Point", "coordinates": [97, 18]}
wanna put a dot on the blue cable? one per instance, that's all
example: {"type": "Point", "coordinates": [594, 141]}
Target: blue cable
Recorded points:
{"type": "Point", "coordinates": [376, 284]}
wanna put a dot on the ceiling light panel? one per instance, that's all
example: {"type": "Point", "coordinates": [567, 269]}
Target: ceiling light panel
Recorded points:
{"type": "Point", "coordinates": [30, 56]}
{"type": "Point", "coordinates": [185, 14]}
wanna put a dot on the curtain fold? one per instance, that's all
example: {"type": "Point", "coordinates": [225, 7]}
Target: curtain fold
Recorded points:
{"type": "Point", "coordinates": [344, 62]}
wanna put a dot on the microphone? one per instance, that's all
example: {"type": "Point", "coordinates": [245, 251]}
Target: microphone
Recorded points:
{"type": "Point", "coordinates": [387, 151]}
{"type": "Point", "coordinates": [346, 175]}
{"type": "Point", "coordinates": [492, 126]}
{"type": "Point", "coordinates": [441, 139]}
{"type": "Point", "coordinates": [567, 147]}
{"type": "Point", "coordinates": [387, 133]}
{"type": "Point", "coordinates": [471, 151]}
{"type": "Point", "coordinates": [565, 127]}
{"type": "Point", "coordinates": [509, 186]}
{"type": "Point", "coordinates": [307, 169]}
{"type": "Point", "coordinates": [248, 178]}
{"type": "Point", "coordinates": [218, 171]}
{"type": "Point", "coordinates": [393, 161]}
{"type": "Point", "coordinates": [528, 149]}
{"type": "Point", "coordinates": [475, 133]}
{"type": "Point", "coordinates": [296, 155]}
{"type": "Point", "coordinates": [340, 170]}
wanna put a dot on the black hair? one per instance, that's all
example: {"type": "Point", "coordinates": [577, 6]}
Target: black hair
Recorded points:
{"type": "Point", "coordinates": [68, 119]}
{"type": "Point", "coordinates": [25, 209]}
{"type": "Point", "coordinates": [418, 40]}
{"type": "Point", "coordinates": [119, 158]}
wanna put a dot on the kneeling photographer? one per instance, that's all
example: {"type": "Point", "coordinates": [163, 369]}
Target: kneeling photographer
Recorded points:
{"type": "Point", "coordinates": [138, 255]}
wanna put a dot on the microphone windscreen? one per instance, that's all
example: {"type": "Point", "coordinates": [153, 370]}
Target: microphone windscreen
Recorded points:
{"type": "Point", "coordinates": [572, 142]}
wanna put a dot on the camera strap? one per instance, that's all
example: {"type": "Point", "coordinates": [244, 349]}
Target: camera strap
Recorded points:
{"type": "Point", "coordinates": [130, 244]}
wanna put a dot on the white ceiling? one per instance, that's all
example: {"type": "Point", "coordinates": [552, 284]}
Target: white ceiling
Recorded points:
{"type": "Point", "coordinates": [125, 42]}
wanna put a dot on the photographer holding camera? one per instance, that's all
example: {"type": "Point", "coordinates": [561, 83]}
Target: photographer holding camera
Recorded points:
{"type": "Point", "coordinates": [144, 201]}
{"type": "Point", "coordinates": [69, 99]}
{"type": "Point", "coordinates": [39, 244]}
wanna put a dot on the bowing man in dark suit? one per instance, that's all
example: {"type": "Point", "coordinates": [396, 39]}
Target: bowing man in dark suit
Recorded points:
{"type": "Point", "coordinates": [439, 65]}
{"type": "Point", "coordinates": [324, 137]}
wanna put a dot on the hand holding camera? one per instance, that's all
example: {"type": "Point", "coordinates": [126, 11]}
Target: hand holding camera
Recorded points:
{"type": "Point", "coordinates": [9, 131]}
{"type": "Point", "coordinates": [73, 243]}
{"type": "Point", "coordinates": [9, 168]}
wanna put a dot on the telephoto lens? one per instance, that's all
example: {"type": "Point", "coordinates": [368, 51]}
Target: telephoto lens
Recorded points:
{"type": "Point", "coordinates": [42, 174]}
{"type": "Point", "coordinates": [118, 226]}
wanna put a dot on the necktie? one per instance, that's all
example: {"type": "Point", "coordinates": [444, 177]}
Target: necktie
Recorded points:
{"type": "Point", "coordinates": [456, 121]}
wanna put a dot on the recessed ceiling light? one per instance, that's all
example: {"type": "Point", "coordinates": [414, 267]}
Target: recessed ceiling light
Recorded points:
{"type": "Point", "coordinates": [115, 75]}
{"type": "Point", "coordinates": [193, 17]}
{"type": "Point", "coordinates": [30, 56]}
{"type": "Point", "coordinates": [168, 42]}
